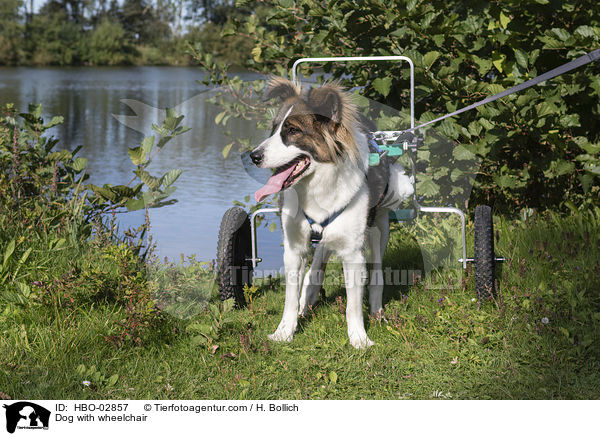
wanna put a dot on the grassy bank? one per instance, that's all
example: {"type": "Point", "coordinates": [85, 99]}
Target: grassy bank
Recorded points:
{"type": "Point", "coordinates": [81, 301]}
{"type": "Point", "coordinates": [539, 340]}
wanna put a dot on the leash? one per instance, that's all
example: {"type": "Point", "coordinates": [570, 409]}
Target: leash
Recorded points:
{"type": "Point", "coordinates": [565, 68]}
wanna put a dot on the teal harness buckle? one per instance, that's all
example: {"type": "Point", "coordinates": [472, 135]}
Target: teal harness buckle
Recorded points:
{"type": "Point", "coordinates": [391, 150]}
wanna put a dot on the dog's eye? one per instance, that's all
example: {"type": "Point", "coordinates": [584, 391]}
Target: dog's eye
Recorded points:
{"type": "Point", "coordinates": [292, 130]}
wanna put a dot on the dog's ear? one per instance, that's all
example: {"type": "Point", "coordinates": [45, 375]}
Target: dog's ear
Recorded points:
{"type": "Point", "coordinates": [280, 88]}
{"type": "Point", "coordinates": [327, 101]}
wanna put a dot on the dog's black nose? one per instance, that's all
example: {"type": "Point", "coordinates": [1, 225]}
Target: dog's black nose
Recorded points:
{"type": "Point", "coordinates": [256, 156]}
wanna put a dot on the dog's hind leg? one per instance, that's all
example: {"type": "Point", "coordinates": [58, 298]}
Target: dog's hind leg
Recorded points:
{"type": "Point", "coordinates": [294, 270]}
{"type": "Point", "coordinates": [313, 280]}
{"type": "Point", "coordinates": [377, 238]}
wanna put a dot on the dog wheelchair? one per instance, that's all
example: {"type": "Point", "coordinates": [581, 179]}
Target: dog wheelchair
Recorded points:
{"type": "Point", "coordinates": [237, 247]}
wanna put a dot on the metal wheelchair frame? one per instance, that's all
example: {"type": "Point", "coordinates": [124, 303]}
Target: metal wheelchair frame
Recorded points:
{"type": "Point", "coordinates": [384, 135]}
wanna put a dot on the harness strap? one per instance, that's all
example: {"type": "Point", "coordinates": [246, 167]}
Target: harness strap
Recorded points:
{"type": "Point", "coordinates": [316, 232]}
{"type": "Point", "coordinates": [325, 223]}
{"type": "Point", "coordinates": [377, 179]}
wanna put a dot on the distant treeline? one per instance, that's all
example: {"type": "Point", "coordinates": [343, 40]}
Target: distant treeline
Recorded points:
{"type": "Point", "coordinates": [119, 32]}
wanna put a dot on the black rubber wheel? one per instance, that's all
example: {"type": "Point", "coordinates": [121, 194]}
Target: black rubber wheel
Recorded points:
{"type": "Point", "coordinates": [234, 248]}
{"type": "Point", "coordinates": [485, 259]}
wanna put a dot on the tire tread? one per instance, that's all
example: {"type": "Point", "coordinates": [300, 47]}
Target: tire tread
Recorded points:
{"type": "Point", "coordinates": [235, 225]}
{"type": "Point", "coordinates": [485, 259]}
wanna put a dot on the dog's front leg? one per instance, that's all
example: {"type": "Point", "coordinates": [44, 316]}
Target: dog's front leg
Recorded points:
{"type": "Point", "coordinates": [294, 269]}
{"type": "Point", "coordinates": [313, 280]}
{"type": "Point", "coordinates": [355, 274]}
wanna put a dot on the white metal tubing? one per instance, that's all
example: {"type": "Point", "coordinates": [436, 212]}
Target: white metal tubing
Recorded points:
{"type": "Point", "coordinates": [367, 59]}
{"type": "Point", "coordinates": [498, 259]}
{"type": "Point", "coordinates": [462, 219]}
{"type": "Point", "coordinates": [253, 232]}
{"type": "Point", "coordinates": [390, 134]}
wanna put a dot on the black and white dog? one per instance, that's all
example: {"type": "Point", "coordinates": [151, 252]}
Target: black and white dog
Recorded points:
{"type": "Point", "coordinates": [320, 153]}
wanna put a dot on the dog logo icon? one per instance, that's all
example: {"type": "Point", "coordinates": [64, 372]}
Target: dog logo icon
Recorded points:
{"type": "Point", "coordinates": [26, 415]}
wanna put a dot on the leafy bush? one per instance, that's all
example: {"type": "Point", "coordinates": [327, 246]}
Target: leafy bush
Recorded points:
{"type": "Point", "coordinates": [539, 148]}
{"type": "Point", "coordinates": [34, 176]}
{"type": "Point", "coordinates": [107, 45]}
{"type": "Point", "coordinates": [57, 248]}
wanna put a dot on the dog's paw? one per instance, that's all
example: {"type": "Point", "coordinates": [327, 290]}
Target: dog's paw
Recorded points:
{"type": "Point", "coordinates": [281, 335]}
{"type": "Point", "coordinates": [305, 311]}
{"type": "Point", "coordinates": [379, 316]}
{"type": "Point", "coordinates": [360, 340]}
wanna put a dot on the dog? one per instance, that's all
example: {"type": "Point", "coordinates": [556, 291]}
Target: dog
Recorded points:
{"type": "Point", "coordinates": [319, 151]}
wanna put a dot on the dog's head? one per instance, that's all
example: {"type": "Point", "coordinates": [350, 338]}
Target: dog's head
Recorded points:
{"type": "Point", "coordinates": [310, 129]}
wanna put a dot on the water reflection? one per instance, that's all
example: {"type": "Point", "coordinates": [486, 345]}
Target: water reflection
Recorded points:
{"type": "Point", "coordinates": [88, 98]}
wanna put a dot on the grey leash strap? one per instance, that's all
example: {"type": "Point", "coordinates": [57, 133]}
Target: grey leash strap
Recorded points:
{"type": "Point", "coordinates": [580, 61]}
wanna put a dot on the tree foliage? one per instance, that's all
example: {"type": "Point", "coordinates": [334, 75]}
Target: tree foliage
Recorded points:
{"type": "Point", "coordinates": [111, 32]}
{"type": "Point", "coordinates": [10, 32]}
{"type": "Point", "coordinates": [54, 39]}
{"type": "Point", "coordinates": [540, 148]}
{"type": "Point", "coordinates": [108, 45]}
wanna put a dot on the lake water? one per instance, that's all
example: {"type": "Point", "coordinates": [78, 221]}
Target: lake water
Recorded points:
{"type": "Point", "coordinates": [89, 97]}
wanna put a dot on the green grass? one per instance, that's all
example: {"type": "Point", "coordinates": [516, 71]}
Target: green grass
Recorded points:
{"type": "Point", "coordinates": [436, 343]}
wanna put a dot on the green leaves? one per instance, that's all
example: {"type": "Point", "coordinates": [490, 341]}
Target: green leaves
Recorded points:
{"type": "Point", "coordinates": [256, 52]}
{"type": "Point", "coordinates": [133, 204]}
{"type": "Point", "coordinates": [383, 85]}
{"type": "Point", "coordinates": [147, 144]}
{"type": "Point", "coordinates": [137, 155]}
{"type": "Point", "coordinates": [219, 117]}
{"type": "Point", "coordinates": [226, 150]}
{"type": "Point", "coordinates": [546, 108]}
{"type": "Point", "coordinates": [55, 121]}
{"type": "Point", "coordinates": [559, 168]}
{"type": "Point", "coordinates": [521, 58]}
{"type": "Point", "coordinates": [158, 189]}
{"type": "Point", "coordinates": [93, 378]}
{"type": "Point", "coordinates": [461, 152]}
{"type": "Point", "coordinates": [462, 54]}
{"type": "Point", "coordinates": [170, 128]}
{"type": "Point", "coordinates": [430, 58]}
{"type": "Point", "coordinates": [149, 180]}
{"type": "Point", "coordinates": [426, 186]}
{"type": "Point", "coordinates": [498, 60]}
{"type": "Point", "coordinates": [169, 178]}
{"type": "Point", "coordinates": [483, 65]}
{"type": "Point", "coordinates": [504, 20]}
{"type": "Point", "coordinates": [79, 164]}
{"type": "Point", "coordinates": [587, 31]}
{"type": "Point", "coordinates": [9, 268]}
{"type": "Point", "coordinates": [208, 327]}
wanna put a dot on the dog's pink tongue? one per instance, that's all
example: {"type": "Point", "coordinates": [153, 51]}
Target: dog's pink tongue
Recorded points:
{"type": "Point", "coordinates": [274, 184]}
